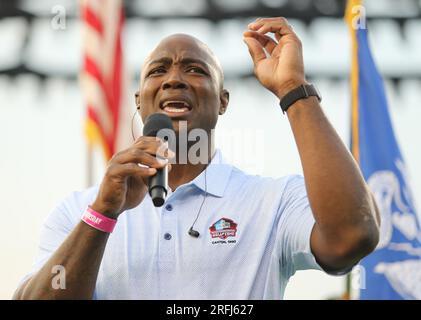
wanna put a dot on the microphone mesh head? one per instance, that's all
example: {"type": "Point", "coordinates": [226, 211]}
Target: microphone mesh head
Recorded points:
{"type": "Point", "coordinates": [156, 122]}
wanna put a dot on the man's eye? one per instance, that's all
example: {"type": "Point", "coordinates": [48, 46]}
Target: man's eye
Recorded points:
{"type": "Point", "coordinates": [195, 70]}
{"type": "Point", "coordinates": [156, 71]}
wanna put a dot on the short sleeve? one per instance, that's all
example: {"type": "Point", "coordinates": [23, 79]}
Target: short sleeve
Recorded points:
{"type": "Point", "coordinates": [295, 226]}
{"type": "Point", "coordinates": [57, 226]}
{"type": "Point", "coordinates": [53, 232]}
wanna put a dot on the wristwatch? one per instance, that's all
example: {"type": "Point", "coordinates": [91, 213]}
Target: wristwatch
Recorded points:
{"type": "Point", "coordinates": [302, 92]}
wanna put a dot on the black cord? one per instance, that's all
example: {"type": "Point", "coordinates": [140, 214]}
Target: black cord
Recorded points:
{"type": "Point", "coordinates": [134, 114]}
{"type": "Point", "coordinates": [200, 209]}
{"type": "Point", "coordinates": [192, 232]}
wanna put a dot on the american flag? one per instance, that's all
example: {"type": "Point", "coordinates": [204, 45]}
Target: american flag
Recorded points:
{"type": "Point", "coordinates": [102, 77]}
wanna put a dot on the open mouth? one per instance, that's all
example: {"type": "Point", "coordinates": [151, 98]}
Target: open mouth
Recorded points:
{"type": "Point", "coordinates": [175, 107]}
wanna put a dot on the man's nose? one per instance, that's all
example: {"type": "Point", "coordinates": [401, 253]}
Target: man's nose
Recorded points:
{"type": "Point", "coordinates": [174, 81]}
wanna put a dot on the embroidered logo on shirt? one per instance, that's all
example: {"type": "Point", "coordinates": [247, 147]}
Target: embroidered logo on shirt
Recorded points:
{"type": "Point", "coordinates": [223, 229]}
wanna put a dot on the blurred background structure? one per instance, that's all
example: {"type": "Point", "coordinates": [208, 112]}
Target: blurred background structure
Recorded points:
{"type": "Point", "coordinates": [42, 110]}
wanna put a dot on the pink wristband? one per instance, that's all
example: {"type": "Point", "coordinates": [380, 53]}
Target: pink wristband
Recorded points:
{"type": "Point", "coordinates": [98, 221]}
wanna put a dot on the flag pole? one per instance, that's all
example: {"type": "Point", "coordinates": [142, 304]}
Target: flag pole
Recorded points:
{"type": "Point", "coordinates": [348, 16]}
{"type": "Point", "coordinates": [347, 293]}
{"type": "Point", "coordinates": [89, 165]}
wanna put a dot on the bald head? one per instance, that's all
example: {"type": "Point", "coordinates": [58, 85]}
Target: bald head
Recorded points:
{"type": "Point", "coordinates": [189, 46]}
{"type": "Point", "coordinates": [182, 68]}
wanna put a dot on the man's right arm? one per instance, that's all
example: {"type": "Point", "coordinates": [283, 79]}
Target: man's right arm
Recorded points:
{"type": "Point", "coordinates": [124, 187]}
{"type": "Point", "coordinates": [80, 256]}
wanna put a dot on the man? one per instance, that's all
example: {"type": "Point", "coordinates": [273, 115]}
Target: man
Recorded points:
{"type": "Point", "coordinates": [254, 232]}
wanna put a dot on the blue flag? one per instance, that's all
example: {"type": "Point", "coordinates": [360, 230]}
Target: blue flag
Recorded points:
{"type": "Point", "coordinates": [393, 270]}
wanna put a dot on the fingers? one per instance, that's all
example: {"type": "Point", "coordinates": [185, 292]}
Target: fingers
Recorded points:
{"type": "Point", "coordinates": [141, 158]}
{"type": "Point", "coordinates": [278, 25]}
{"type": "Point", "coordinates": [257, 41]}
{"type": "Point", "coordinates": [154, 146]}
{"type": "Point", "coordinates": [256, 50]}
{"type": "Point", "coordinates": [265, 41]}
{"type": "Point", "coordinates": [130, 169]}
{"type": "Point", "coordinates": [147, 151]}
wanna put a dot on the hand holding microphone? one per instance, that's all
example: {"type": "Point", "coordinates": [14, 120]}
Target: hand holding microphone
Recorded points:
{"type": "Point", "coordinates": [125, 183]}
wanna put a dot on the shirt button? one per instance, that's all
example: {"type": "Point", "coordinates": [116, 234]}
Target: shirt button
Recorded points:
{"type": "Point", "coordinates": [168, 207]}
{"type": "Point", "coordinates": [167, 236]}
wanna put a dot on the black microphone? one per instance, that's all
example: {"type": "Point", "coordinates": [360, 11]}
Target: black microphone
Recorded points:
{"type": "Point", "coordinates": [158, 184]}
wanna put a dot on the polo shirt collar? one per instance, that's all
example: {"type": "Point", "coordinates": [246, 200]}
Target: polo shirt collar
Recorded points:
{"type": "Point", "coordinates": [218, 173]}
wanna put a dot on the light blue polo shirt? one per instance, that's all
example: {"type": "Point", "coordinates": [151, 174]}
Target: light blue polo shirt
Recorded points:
{"type": "Point", "coordinates": [254, 235]}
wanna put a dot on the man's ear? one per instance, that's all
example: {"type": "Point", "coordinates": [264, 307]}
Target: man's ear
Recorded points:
{"type": "Point", "coordinates": [224, 98]}
{"type": "Point", "coordinates": [137, 99]}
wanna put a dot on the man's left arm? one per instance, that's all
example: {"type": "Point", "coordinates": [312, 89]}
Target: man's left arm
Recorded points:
{"type": "Point", "coordinates": [347, 219]}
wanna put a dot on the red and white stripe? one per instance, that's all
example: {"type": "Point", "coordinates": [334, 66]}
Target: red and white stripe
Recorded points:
{"type": "Point", "coordinates": [102, 78]}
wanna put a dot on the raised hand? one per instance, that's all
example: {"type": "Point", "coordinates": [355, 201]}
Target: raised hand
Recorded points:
{"type": "Point", "coordinates": [281, 68]}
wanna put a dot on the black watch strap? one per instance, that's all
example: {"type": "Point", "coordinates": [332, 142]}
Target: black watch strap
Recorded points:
{"type": "Point", "coordinates": [302, 92]}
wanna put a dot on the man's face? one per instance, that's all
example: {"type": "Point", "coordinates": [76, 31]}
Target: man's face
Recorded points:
{"type": "Point", "coordinates": [180, 78]}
